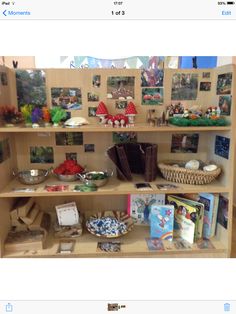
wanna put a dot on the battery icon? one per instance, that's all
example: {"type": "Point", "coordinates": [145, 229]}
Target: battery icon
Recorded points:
{"type": "Point", "coordinates": [230, 2]}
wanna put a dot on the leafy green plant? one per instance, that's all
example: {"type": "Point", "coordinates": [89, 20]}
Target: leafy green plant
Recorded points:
{"type": "Point", "coordinates": [57, 114]}
{"type": "Point", "coordinates": [27, 112]}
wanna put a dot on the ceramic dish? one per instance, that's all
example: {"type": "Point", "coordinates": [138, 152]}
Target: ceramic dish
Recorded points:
{"type": "Point", "coordinates": [109, 224]}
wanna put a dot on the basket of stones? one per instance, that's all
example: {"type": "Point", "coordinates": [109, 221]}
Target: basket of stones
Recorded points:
{"type": "Point", "coordinates": [191, 172]}
{"type": "Point", "coordinates": [109, 224]}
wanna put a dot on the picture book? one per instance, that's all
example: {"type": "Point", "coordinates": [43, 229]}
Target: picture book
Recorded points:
{"type": "Point", "coordinates": [222, 217]}
{"type": "Point", "coordinates": [193, 199]}
{"type": "Point", "coordinates": [162, 221]}
{"type": "Point", "coordinates": [185, 218]}
{"type": "Point", "coordinates": [210, 202]}
{"type": "Point", "coordinates": [139, 206]}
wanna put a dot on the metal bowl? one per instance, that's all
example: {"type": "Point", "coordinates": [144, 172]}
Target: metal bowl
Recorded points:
{"type": "Point", "coordinates": [67, 177]}
{"type": "Point", "coordinates": [32, 176]}
{"type": "Point", "coordinates": [87, 177]}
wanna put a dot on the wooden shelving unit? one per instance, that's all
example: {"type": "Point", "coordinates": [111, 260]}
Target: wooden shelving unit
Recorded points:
{"type": "Point", "coordinates": [140, 127]}
{"type": "Point", "coordinates": [113, 187]}
{"type": "Point", "coordinates": [133, 245]}
{"type": "Point", "coordinates": [114, 194]}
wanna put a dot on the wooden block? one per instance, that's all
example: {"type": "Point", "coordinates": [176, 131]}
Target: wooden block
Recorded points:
{"type": "Point", "coordinates": [16, 222]}
{"type": "Point", "coordinates": [41, 222]}
{"type": "Point", "coordinates": [24, 240]}
{"type": "Point", "coordinates": [20, 227]}
{"type": "Point", "coordinates": [14, 214]}
{"type": "Point", "coordinates": [29, 219]}
{"type": "Point", "coordinates": [23, 206]}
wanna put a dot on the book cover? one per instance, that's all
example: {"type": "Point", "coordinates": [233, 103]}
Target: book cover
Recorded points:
{"type": "Point", "coordinates": [215, 214]}
{"type": "Point", "coordinates": [222, 217]}
{"type": "Point", "coordinates": [139, 206]}
{"type": "Point", "coordinates": [210, 214]}
{"type": "Point", "coordinates": [162, 221]}
{"type": "Point", "coordinates": [193, 199]}
{"type": "Point", "coordinates": [185, 217]}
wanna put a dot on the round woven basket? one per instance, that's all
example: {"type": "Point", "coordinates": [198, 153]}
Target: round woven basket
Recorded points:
{"type": "Point", "coordinates": [187, 176]}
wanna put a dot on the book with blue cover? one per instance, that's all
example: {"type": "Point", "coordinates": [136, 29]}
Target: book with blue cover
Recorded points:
{"type": "Point", "coordinates": [210, 202]}
{"type": "Point", "coordinates": [162, 221]}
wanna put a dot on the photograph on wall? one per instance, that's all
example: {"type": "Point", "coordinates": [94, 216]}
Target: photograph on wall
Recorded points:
{"type": "Point", "coordinates": [152, 96]}
{"type": "Point", "coordinates": [224, 82]}
{"type": "Point", "coordinates": [206, 74]}
{"type": "Point", "coordinates": [120, 87]}
{"type": "Point", "coordinates": [184, 86]}
{"type": "Point", "coordinates": [89, 148]}
{"type": "Point", "coordinates": [222, 145]}
{"type": "Point", "coordinates": [92, 111]}
{"type": "Point", "coordinates": [184, 143]}
{"type": "Point", "coordinates": [3, 78]}
{"type": "Point", "coordinates": [222, 217]}
{"type": "Point", "coordinates": [121, 104]}
{"type": "Point", "coordinates": [31, 88]}
{"type": "Point", "coordinates": [67, 98]}
{"type": "Point", "coordinates": [69, 138]}
{"type": "Point", "coordinates": [93, 97]}
{"type": "Point", "coordinates": [205, 86]}
{"type": "Point", "coordinates": [225, 105]}
{"type": "Point", "coordinates": [96, 80]}
{"type": "Point", "coordinates": [71, 156]}
{"type": "Point", "coordinates": [124, 137]}
{"type": "Point", "coordinates": [41, 155]}
{"type": "Point", "coordinates": [152, 78]}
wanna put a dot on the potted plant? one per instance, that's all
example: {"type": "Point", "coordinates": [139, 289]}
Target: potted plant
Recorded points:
{"type": "Point", "coordinates": [27, 114]}
{"type": "Point", "coordinates": [46, 116]}
{"type": "Point", "coordinates": [36, 117]}
{"type": "Point", "coordinates": [57, 114]}
{"type": "Point", "coordinates": [10, 115]}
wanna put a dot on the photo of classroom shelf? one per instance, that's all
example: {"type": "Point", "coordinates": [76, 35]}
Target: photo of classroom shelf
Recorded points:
{"type": "Point", "coordinates": [107, 162]}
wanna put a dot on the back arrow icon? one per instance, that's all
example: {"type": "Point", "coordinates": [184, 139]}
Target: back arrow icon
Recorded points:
{"type": "Point", "coordinates": [4, 12]}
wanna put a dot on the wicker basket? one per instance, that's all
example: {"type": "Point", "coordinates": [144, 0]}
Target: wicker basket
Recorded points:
{"type": "Point", "coordinates": [187, 176]}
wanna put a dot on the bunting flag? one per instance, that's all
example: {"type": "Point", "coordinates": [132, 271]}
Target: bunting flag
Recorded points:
{"type": "Point", "coordinates": [119, 64]}
{"type": "Point", "coordinates": [63, 59]}
{"type": "Point", "coordinates": [145, 62]}
{"type": "Point", "coordinates": [132, 62]}
{"type": "Point", "coordinates": [172, 62]}
{"type": "Point", "coordinates": [78, 61]}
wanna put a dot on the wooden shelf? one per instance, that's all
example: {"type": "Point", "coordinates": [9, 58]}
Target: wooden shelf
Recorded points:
{"type": "Point", "coordinates": [113, 187]}
{"type": "Point", "coordinates": [142, 127]}
{"type": "Point", "coordinates": [132, 244]}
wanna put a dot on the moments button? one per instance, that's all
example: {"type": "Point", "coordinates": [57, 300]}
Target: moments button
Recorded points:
{"type": "Point", "coordinates": [16, 13]}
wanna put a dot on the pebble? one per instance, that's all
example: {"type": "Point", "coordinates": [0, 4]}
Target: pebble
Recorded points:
{"type": "Point", "coordinates": [192, 164]}
{"type": "Point", "coordinates": [210, 168]}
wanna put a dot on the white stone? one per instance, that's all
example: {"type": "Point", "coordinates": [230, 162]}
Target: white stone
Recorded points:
{"type": "Point", "coordinates": [192, 164]}
{"type": "Point", "coordinates": [210, 168]}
